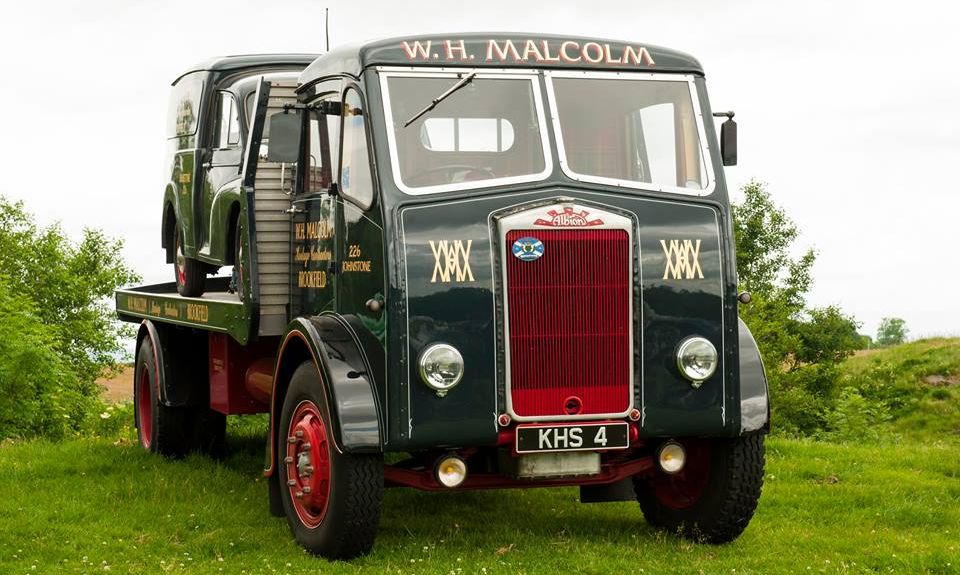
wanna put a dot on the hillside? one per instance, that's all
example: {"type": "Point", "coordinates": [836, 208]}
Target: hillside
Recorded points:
{"type": "Point", "coordinates": [918, 383]}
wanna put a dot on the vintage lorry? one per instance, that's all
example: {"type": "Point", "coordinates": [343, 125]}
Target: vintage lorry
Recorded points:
{"type": "Point", "coordinates": [499, 260]}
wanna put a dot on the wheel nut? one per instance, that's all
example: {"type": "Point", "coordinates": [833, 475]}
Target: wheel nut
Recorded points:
{"type": "Point", "coordinates": [307, 445]}
{"type": "Point", "coordinates": [291, 439]}
{"type": "Point", "coordinates": [291, 482]}
{"type": "Point", "coordinates": [306, 489]}
{"type": "Point", "coordinates": [298, 494]}
{"type": "Point", "coordinates": [299, 434]}
{"type": "Point", "coordinates": [288, 459]}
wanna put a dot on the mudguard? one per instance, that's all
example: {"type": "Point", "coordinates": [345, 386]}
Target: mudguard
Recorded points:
{"type": "Point", "coordinates": [754, 393]}
{"type": "Point", "coordinates": [183, 364]}
{"type": "Point", "coordinates": [333, 345]}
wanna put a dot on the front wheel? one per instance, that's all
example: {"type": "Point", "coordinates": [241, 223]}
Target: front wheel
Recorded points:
{"type": "Point", "coordinates": [331, 499]}
{"type": "Point", "coordinates": [713, 498]}
{"type": "Point", "coordinates": [190, 274]}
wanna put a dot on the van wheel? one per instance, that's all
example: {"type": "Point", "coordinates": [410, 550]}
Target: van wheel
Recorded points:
{"type": "Point", "coordinates": [160, 429]}
{"type": "Point", "coordinates": [237, 282]}
{"type": "Point", "coordinates": [713, 498]}
{"type": "Point", "coordinates": [331, 499]}
{"type": "Point", "coordinates": [190, 274]}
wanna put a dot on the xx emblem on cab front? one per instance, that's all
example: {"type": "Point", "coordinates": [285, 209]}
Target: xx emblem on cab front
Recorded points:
{"type": "Point", "coordinates": [528, 249]}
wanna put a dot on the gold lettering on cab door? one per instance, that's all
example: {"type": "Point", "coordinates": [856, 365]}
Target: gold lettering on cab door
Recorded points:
{"type": "Point", "coordinates": [682, 259]}
{"type": "Point", "coordinates": [451, 261]}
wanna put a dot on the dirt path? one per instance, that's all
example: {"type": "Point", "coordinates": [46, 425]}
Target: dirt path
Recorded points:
{"type": "Point", "coordinates": [119, 388]}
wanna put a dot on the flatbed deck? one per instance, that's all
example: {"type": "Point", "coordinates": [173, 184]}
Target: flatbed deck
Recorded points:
{"type": "Point", "coordinates": [217, 310]}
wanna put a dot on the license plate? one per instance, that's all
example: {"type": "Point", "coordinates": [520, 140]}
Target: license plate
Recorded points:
{"type": "Point", "coordinates": [572, 437]}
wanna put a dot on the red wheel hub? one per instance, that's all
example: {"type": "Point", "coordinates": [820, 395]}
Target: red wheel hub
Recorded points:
{"type": "Point", "coordinates": [307, 463]}
{"type": "Point", "coordinates": [144, 407]}
{"type": "Point", "coordinates": [685, 488]}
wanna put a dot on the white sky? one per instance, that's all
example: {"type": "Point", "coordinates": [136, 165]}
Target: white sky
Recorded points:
{"type": "Point", "coordinates": [848, 110]}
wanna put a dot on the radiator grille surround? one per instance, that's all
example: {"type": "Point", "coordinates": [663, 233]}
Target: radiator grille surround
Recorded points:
{"type": "Point", "coordinates": [568, 317]}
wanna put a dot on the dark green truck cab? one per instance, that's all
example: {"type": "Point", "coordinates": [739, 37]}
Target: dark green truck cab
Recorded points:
{"type": "Point", "coordinates": [507, 257]}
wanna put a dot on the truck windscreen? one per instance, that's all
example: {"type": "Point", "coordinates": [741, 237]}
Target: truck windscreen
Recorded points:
{"type": "Point", "coordinates": [488, 132]}
{"type": "Point", "coordinates": [641, 131]}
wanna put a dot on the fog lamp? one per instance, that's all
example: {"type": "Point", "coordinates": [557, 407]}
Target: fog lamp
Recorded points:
{"type": "Point", "coordinates": [671, 457]}
{"type": "Point", "coordinates": [696, 359]}
{"type": "Point", "coordinates": [441, 367]}
{"type": "Point", "coordinates": [451, 471]}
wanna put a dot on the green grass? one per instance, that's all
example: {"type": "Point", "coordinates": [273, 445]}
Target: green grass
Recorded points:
{"type": "Point", "coordinates": [102, 505]}
{"type": "Point", "coordinates": [83, 506]}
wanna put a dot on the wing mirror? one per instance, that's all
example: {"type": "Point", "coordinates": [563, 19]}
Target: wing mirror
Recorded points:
{"type": "Point", "coordinates": [728, 138]}
{"type": "Point", "coordinates": [286, 132]}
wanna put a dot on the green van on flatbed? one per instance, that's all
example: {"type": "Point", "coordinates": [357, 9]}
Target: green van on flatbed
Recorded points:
{"type": "Point", "coordinates": [504, 259]}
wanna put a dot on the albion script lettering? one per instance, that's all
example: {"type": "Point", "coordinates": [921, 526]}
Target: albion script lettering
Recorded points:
{"type": "Point", "coordinates": [533, 51]}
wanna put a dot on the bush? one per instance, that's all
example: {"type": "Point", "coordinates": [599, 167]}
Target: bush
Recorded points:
{"type": "Point", "coordinates": [40, 393]}
{"type": "Point", "coordinates": [57, 329]}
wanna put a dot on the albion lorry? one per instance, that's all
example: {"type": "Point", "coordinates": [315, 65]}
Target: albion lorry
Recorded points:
{"type": "Point", "coordinates": [471, 261]}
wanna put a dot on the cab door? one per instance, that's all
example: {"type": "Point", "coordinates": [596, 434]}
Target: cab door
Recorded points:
{"type": "Point", "coordinates": [221, 164]}
{"type": "Point", "coordinates": [314, 210]}
{"type": "Point", "coordinates": [360, 286]}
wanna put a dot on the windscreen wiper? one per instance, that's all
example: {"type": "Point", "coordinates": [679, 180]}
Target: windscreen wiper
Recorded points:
{"type": "Point", "coordinates": [463, 82]}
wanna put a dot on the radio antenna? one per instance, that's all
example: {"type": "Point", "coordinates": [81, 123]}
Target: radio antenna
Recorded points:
{"type": "Point", "coordinates": [326, 23]}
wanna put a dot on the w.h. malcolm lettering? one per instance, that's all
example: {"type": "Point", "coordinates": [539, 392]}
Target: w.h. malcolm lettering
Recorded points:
{"type": "Point", "coordinates": [462, 248]}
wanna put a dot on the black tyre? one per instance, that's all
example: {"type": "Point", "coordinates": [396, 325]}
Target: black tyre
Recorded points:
{"type": "Point", "coordinates": [238, 281]}
{"type": "Point", "coordinates": [713, 498]}
{"type": "Point", "coordinates": [208, 431]}
{"type": "Point", "coordinates": [331, 499]}
{"type": "Point", "coordinates": [190, 274]}
{"type": "Point", "coordinates": [160, 429]}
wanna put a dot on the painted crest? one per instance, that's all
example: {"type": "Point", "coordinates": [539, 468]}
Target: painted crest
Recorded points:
{"type": "Point", "coordinates": [568, 218]}
{"type": "Point", "coordinates": [528, 249]}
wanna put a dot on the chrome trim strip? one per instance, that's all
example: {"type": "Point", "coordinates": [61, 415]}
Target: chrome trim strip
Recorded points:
{"type": "Point", "coordinates": [524, 220]}
{"type": "Point", "coordinates": [482, 73]}
{"type": "Point", "coordinates": [705, 151]}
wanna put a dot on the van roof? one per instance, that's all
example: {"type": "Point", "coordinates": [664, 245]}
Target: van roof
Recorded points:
{"type": "Point", "coordinates": [240, 61]}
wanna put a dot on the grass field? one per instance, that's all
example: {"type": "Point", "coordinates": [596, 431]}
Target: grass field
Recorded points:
{"type": "Point", "coordinates": [103, 505]}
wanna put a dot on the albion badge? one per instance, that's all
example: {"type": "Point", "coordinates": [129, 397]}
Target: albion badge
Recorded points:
{"type": "Point", "coordinates": [528, 249]}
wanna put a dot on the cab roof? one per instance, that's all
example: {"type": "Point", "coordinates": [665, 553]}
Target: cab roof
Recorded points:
{"type": "Point", "coordinates": [500, 50]}
{"type": "Point", "coordinates": [241, 61]}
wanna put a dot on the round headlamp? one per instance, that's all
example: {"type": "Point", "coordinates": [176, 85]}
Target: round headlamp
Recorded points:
{"type": "Point", "coordinates": [441, 367]}
{"type": "Point", "coordinates": [696, 359]}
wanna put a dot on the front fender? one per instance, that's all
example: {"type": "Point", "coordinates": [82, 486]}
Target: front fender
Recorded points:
{"type": "Point", "coordinates": [331, 343]}
{"type": "Point", "coordinates": [754, 392]}
{"type": "Point", "coordinates": [224, 207]}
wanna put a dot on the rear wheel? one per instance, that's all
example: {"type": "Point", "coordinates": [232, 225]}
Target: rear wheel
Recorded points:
{"type": "Point", "coordinates": [331, 499]}
{"type": "Point", "coordinates": [190, 274]}
{"type": "Point", "coordinates": [713, 498]}
{"type": "Point", "coordinates": [160, 428]}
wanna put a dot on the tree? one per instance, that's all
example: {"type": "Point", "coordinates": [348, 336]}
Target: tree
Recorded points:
{"type": "Point", "coordinates": [802, 347]}
{"type": "Point", "coordinates": [57, 294]}
{"type": "Point", "coordinates": [892, 331]}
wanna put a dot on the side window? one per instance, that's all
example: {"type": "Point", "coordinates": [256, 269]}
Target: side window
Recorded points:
{"type": "Point", "coordinates": [356, 182]}
{"type": "Point", "coordinates": [228, 122]}
{"type": "Point", "coordinates": [324, 138]}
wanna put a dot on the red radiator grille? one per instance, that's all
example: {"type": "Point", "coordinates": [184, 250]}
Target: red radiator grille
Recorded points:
{"type": "Point", "coordinates": [569, 330]}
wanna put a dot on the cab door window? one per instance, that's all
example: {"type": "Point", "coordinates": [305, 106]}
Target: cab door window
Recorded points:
{"type": "Point", "coordinates": [324, 130]}
{"type": "Point", "coordinates": [356, 182]}
{"type": "Point", "coordinates": [227, 132]}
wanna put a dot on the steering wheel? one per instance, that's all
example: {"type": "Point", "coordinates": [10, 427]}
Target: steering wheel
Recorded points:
{"type": "Point", "coordinates": [450, 174]}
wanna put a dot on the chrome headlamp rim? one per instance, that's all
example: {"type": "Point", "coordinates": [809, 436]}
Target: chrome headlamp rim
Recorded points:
{"type": "Point", "coordinates": [421, 367]}
{"type": "Point", "coordinates": [684, 348]}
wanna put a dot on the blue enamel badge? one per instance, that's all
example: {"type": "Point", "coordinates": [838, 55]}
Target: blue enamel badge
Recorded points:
{"type": "Point", "coordinates": [528, 249]}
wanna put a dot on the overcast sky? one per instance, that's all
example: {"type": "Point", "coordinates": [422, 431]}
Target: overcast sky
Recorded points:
{"type": "Point", "coordinates": [847, 110]}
